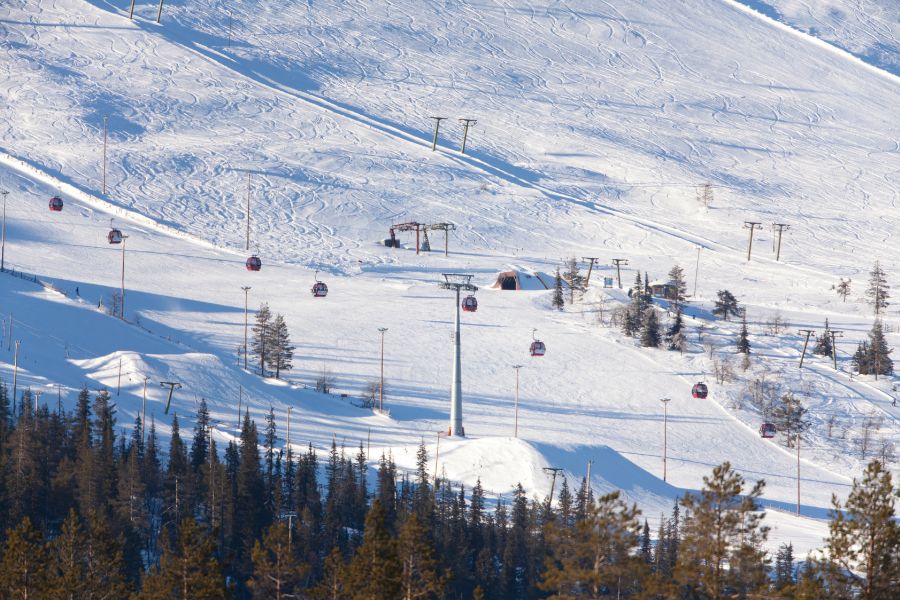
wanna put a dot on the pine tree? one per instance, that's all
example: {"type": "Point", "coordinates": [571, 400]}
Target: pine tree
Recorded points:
{"type": "Point", "coordinates": [676, 276]}
{"type": "Point", "coordinates": [200, 442]}
{"type": "Point", "coordinates": [260, 345]}
{"type": "Point", "coordinates": [23, 571]}
{"type": "Point", "coordinates": [596, 556]}
{"type": "Point", "coordinates": [558, 300]}
{"type": "Point", "coordinates": [376, 570]}
{"type": "Point", "coordinates": [650, 337]}
{"type": "Point", "coordinates": [722, 535]}
{"type": "Point", "coordinates": [188, 569]}
{"type": "Point", "coordinates": [878, 291]}
{"type": "Point", "coordinates": [726, 304]}
{"type": "Point", "coordinates": [790, 417]}
{"type": "Point", "coordinates": [573, 278]}
{"type": "Point", "coordinates": [843, 288]}
{"type": "Point", "coordinates": [784, 570]}
{"type": "Point", "coordinates": [823, 342]}
{"type": "Point", "coordinates": [420, 577]}
{"type": "Point", "coordinates": [864, 541]}
{"type": "Point", "coordinates": [860, 360]}
{"type": "Point", "coordinates": [251, 514]}
{"type": "Point", "coordinates": [277, 572]}
{"type": "Point", "coordinates": [878, 359]}
{"type": "Point", "coordinates": [281, 352]}
{"type": "Point", "coordinates": [743, 342]}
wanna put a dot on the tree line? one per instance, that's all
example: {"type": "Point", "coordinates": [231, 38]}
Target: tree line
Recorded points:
{"type": "Point", "coordinates": [86, 512]}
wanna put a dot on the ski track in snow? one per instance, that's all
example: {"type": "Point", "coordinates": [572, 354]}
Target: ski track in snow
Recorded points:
{"type": "Point", "coordinates": [595, 124]}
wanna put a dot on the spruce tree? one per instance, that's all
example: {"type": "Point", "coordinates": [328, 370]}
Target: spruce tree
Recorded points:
{"type": "Point", "coordinates": [878, 359]}
{"type": "Point", "coordinates": [878, 290]}
{"type": "Point", "coordinates": [743, 341]}
{"type": "Point", "coordinates": [864, 541]}
{"type": "Point", "coordinates": [784, 570]}
{"type": "Point", "coordinates": [860, 360]}
{"type": "Point", "coordinates": [675, 337]}
{"type": "Point", "coordinates": [676, 276]}
{"type": "Point", "coordinates": [823, 342]}
{"type": "Point", "coordinates": [23, 563]}
{"type": "Point", "coordinates": [650, 337]}
{"type": "Point", "coordinates": [260, 344]}
{"type": "Point", "coordinates": [281, 352]}
{"type": "Point", "coordinates": [790, 417]}
{"type": "Point", "coordinates": [726, 304]}
{"type": "Point", "coordinates": [843, 288]}
{"type": "Point", "coordinates": [558, 300]}
{"type": "Point", "coordinates": [376, 570]}
{"type": "Point", "coordinates": [573, 278]}
{"type": "Point", "coordinates": [200, 442]}
{"type": "Point", "coordinates": [420, 576]}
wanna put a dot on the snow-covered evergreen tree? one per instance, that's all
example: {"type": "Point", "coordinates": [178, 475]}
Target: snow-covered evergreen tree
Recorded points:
{"type": "Point", "coordinates": [878, 292]}
{"type": "Point", "coordinates": [676, 276]}
{"type": "Point", "coordinates": [823, 344]}
{"type": "Point", "coordinates": [726, 304]}
{"type": "Point", "coordinates": [574, 278]}
{"type": "Point", "coordinates": [650, 337]}
{"type": "Point", "coordinates": [743, 342]}
{"type": "Point", "coordinates": [558, 300]}
{"type": "Point", "coordinates": [260, 344]}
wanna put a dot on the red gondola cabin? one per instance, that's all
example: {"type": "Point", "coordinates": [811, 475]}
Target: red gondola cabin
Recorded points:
{"type": "Point", "coordinates": [767, 430]}
{"type": "Point", "coordinates": [699, 390]}
{"type": "Point", "coordinates": [56, 204]}
{"type": "Point", "coordinates": [115, 236]}
{"type": "Point", "coordinates": [319, 289]}
{"type": "Point", "coordinates": [537, 348]}
{"type": "Point", "coordinates": [470, 304]}
{"type": "Point", "coordinates": [254, 264]}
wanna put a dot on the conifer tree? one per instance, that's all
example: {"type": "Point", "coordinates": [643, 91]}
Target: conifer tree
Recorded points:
{"type": "Point", "coordinates": [281, 352]}
{"type": "Point", "coordinates": [573, 278]}
{"type": "Point", "coordinates": [277, 572]}
{"type": "Point", "coordinates": [596, 556]}
{"type": "Point", "coordinates": [675, 337]}
{"type": "Point", "coordinates": [790, 417]}
{"type": "Point", "coordinates": [676, 276]}
{"type": "Point", "coordinates": [334, 583]}
{"type": "Point", "coordinates": [726, 304]}
{"type": "Point", "coordinates": [864, 541]}
{"type": "Point", "coordinates": [260, 344]}
{"type": "Point", "coordinates": [860, 360]}
{"type": "Point", "coordinates": [784, 570]}
{"type": "Point", "coordinates": [878, 291]}
{"type": "Point", "coordinates": [559, 301]}
{"type": "Point", "coordinates": [200, 442]}
{"type": "Point", "coordinates": [67, 569]}
{"type": "Point", "coordinates": [376, 570]}
{"type": "Point", "coordinates": [23, 572]}
{"type": "Point", "coordinates": [650, 337]}
{"type": "Point", "coordinates": [251, 514]}
{"type": "Point", "coordinates": [723, 529]}
{"type": "Point", "coordinates": [743, 341]}
{"type": "Point", "coordinates": [823, 342]}
{"type": "Point", "coordinates": [188, 569]}
{"type": "Point", "coordinates": [878, 359]}
{"type": "Point", "coordinates": [843, 288]}
{"type": "Point", "coordinates": [420, 577]}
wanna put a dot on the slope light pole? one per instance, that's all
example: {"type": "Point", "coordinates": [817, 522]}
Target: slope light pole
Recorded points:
{"type": "Point", "coordinates": [798, 473]}
{"type": "Point", "coordinates": [3, 234]}
{"type": "Point", "coordinates": [516, 427]}
{"type": "Point", "coordinates": [780, 227]}
{"type": "Point", "coordinates": [122, 292]}
{"type": "Point", "coordinates": [592, 259]}
{"type": "Point", "coordinates": [381, 384]}
{"type": "Point", "coordinates": [246, 289]}
{"type": "Point", "coordinates": [466, 124]}
{"type": "Point", "coordinates": [247, 245]}
{"type": "Point", "coordinates": [437, 124]}
{"type": "Point", "coordinates": [144, 411]}
{"type": "Point", "coordinates": [457, 282]}
{"type": "Point", "coordinates": [697, 271]}
{"type": "Point", "coordinates": [619, 262]}
{"type": "Point", "coordinates": [665, 402]}
{"type": "Point", "coordinates": [15, 376]}
{"type": "Point", "coordinates": [752, 225]}
{"type": "Point", "coordinates": [172, 387]}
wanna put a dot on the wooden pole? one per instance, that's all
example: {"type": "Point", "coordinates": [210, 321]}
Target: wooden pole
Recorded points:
{"type": "Point", "coordinates": [808, 333]}
{"type": "Point", "coordinates": [752, 225]}
{"type": "Point", "coordinates": [696, 271]}
{"type": "Point", "coordinates": [131, 11]}
{"type": "Point", "coordinates": [665, 402]}
{"type": "Point", "coordinates": [619, 262]}
{"type": "Point", "coordinates": [593, 259]}
{"type": "Point", "coordinates": [144, 411]}
{"type": "Point", "coordinates": [798, 474]}
{"type": "Point", "coordinates": [105, 128]}
{"type": "Point", "coordinates": [466, 124]}
{"type": "Point", "coordinates": [15, 376]}
{"type": "Point", "coordinates": [381, 384]}
{"type": "Point", "coordinates": [437, 124]}
{"type": "Point", "coordinates": [780, 227]}
{"type": "Point", "coordinates": [159, 13]}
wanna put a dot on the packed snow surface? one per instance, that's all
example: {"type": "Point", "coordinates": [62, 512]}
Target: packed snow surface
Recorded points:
{"type": "Point", "coordinates": [596, 123]}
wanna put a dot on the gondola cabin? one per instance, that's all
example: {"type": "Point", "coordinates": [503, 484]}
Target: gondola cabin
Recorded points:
{"type": "Point", "coordinates": [115, 236]}
{"type": "Point", "coordinates": [319, 289]}
{"type": "Point", "coordinates": [470, 304]}
{"type": "Point", "coordinates": [767, 430]}
{"type": "Point", "coordinates": [537, 348]}
{"type": "Point", "coordinates": [56, 204]}
{"type": "Point", "coordinates": [699, 390]}
{"type": "Point", "coordinates": [254, 263]}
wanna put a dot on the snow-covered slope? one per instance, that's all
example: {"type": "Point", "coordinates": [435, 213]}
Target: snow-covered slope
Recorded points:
{"type": "Point", "coordinates": [596, 122]}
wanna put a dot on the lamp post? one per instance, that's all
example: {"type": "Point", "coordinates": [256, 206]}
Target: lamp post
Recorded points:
{"type": "Point", "coordinates": [457, 282]}
{"type": "Point", "coordinates": [381, 384]}
{"type": "Point", "coordinates": [516, 427]}
{"type": "Point", "coordinates": [665, 402]}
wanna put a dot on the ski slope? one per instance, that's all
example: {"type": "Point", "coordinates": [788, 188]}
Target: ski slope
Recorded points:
{"type": "Point", "coordinates": [596, 122]}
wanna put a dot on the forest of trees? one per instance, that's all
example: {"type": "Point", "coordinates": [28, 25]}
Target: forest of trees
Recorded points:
{"type": "Point", "coordinates": [86, 512]}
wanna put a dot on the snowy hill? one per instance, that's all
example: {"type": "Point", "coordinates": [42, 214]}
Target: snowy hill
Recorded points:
{"type": "Point", "coordinates": [596, 123]}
